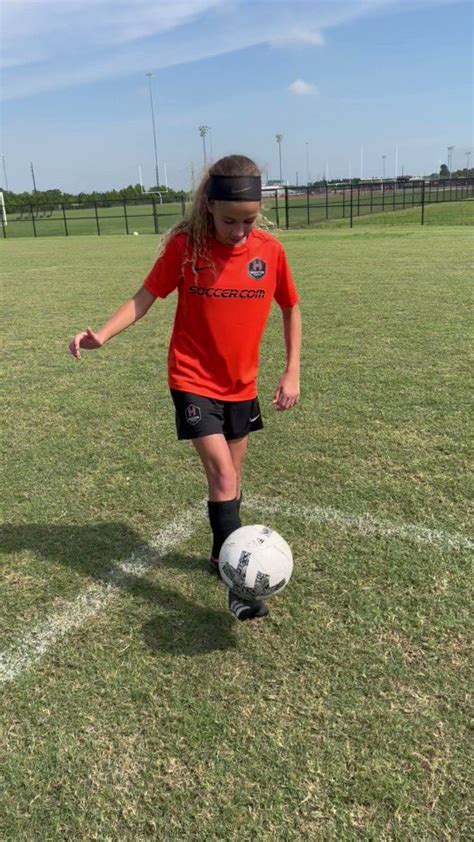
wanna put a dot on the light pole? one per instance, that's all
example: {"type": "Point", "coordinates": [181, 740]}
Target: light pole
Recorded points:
{"type": "Point", "coordinates": [467, 164]}
{"type": "Point", "coordinates": [279, 138]}
{"type": "Point", "coordinates": [33, 177]}
{"type": "Point", "coordinates": [308, 180]}
{"type": "Point", "coordinates": [203, 132]}
{"type": "Point", "coordinates": [157, 169]}
{"type": "Point", "coordinates": [209, 128]}
{"type": "Point", "coordinates": [450, 158]}
{"type": "Point", "coordinates": [383, 167]}
{"type": "Point", "coordinates": [5, 172]}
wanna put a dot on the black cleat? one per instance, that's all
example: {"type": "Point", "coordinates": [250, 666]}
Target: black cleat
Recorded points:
{"type": "Point", "coordinates": [245, 610]}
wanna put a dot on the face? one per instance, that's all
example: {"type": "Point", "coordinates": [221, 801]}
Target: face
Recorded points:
{"type": "Point", "coordinates": [233, 221]}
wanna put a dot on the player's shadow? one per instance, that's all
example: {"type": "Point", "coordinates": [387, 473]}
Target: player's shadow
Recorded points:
{"type": "Point", "coordinates": [115, 555]}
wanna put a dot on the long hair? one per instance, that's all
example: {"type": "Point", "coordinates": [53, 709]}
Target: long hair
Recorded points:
{"type": "Point", "coordinates": [198, 223]}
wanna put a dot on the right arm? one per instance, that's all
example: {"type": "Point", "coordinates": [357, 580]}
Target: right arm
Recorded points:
{"type": "Point", "coordinates": [129, 312]}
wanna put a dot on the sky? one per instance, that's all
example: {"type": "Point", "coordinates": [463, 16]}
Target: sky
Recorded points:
{"type": "Point", "coordinates": [334, 77]}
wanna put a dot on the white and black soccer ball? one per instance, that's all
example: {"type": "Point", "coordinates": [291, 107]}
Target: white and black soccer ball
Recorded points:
{"type": "Point", "coordinates": [255, 562]}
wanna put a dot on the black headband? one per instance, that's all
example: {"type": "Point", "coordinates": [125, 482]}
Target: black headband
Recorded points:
{"type": "Point", "coordinates": [235, 188]}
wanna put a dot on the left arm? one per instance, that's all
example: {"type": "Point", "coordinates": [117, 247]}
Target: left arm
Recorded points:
{"type": "Point", "coordinates": [288, 389]}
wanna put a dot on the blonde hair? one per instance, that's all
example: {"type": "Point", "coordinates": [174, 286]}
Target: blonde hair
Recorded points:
{"type": "Point", "coordinates": [198, 223]}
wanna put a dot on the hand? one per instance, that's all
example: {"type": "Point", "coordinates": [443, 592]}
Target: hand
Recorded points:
{"type": "Point", "coordinates": [287, 392]}
{"type": "Point", "coordinates": [87, 339]}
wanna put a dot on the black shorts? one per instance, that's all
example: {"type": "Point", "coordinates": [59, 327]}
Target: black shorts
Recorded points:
{"type": "Point", "coordinates": [197, 416]}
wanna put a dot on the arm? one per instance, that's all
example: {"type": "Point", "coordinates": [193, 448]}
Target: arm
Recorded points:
{"type": "Point", "coordinates": [288, 389]}
{"type": "Point", "coordinates": [129, 312]}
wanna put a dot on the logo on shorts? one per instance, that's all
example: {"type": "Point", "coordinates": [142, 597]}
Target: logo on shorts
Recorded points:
{"type": "Point", "coordinates": [192, 414]}
{"type": "Point", "coordinates": [257, 268]}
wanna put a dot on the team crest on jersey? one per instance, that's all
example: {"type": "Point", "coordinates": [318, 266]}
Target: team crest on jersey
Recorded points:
{"type": "Point", "coordinates": [257, 268]}
{"type": "Point", "coordinates": [192, 414]}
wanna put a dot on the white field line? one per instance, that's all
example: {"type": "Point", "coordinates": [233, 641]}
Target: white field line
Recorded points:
{"type": "Point", "coordinates": [96, 597]}
{"type": "Point", "coordinates": [365, 524]}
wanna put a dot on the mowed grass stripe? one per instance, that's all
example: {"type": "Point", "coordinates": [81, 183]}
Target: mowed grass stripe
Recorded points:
{"type": "Point", "coordinates": [97, 597]}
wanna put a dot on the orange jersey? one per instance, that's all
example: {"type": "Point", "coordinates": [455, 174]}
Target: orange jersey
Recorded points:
{"type": "Point", "coordinates": [221, 312]}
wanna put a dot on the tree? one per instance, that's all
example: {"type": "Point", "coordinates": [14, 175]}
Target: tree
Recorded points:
{"type": "Point", "coordinates": [444, 172]}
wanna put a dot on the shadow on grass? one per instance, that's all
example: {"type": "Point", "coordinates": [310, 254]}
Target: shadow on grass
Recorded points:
{"type": "Point", "coordinates": [115, 555]}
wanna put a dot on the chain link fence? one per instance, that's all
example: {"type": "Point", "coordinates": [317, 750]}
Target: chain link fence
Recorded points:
{"type": "Point", "coordinates": [284, 207]}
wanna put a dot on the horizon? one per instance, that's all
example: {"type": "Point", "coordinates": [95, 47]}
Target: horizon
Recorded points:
{"type": "Point", "coordinates": [377, 75]}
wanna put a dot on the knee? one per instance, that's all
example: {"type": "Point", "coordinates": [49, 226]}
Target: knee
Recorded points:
{"type": "Point", "coordinates": [223, 481]}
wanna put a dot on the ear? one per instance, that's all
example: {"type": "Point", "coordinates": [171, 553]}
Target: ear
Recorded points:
{"type": "Point", "coordinates": [210, 205]}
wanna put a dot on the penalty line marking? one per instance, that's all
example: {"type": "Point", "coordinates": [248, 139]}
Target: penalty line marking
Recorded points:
{"type": "Point", "coordinates": [365, 524]}
{"type": "Point", "coordinates": [97, 597]}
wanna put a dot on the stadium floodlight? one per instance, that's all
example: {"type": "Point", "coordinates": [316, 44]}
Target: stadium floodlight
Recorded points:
{"type": "Point", "coordinates": [308, 180]}
{"type": "Point", "coordinates": [157, 169]}
{"type": "Point", "coordinates": [279, 138]}
{"type": "Point", "coordinates": [384, 158]}
{"type": "Point", "coordinates": [203, 130]}
{"type": "Point", "coordinates": [361, 161]}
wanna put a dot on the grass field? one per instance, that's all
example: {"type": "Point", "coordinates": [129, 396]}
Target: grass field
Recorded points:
{"type": "Point", "coordinates": [134, 706]}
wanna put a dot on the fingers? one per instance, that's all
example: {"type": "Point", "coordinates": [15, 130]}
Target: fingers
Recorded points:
{"type": "Point", "coordinates": [283, 401]}
{"type": "Point", "coordinates": [75, 344]}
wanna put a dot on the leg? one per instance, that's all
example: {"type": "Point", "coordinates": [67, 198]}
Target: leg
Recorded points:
{"type": "Point", "coordinates": [222, 463]}
{"type": "Point", "coordinates": [216, 457]}
{"type": "Point", "coordinates": [238, 450]}
{"type": "Point", "coordinates": [221, 477]}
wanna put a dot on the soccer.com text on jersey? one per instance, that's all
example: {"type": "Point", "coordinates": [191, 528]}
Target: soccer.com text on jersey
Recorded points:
{"type": "Point", "coordinates": [219, 292]}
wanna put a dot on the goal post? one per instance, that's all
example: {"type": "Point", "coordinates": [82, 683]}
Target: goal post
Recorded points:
{"type": "Point", "coordinates": [3, 211]}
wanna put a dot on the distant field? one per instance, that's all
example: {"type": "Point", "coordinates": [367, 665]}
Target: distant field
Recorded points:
{"type": "Point", "coordinates": [134, 706]}
{"type": "Point", "coordinates": [302, 212]}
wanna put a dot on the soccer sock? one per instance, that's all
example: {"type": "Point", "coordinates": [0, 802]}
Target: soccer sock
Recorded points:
{"type": "Point", "coordinates": [224, 519]}
{"type": "Point", "coordinates": [243, 609]}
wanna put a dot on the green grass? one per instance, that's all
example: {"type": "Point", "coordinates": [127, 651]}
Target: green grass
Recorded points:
{"type": "Point", "coordinates": [343, 716]}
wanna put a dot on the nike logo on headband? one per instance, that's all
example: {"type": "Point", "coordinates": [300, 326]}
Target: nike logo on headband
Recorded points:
{"type": "Point", "coordinates": [244, 190]}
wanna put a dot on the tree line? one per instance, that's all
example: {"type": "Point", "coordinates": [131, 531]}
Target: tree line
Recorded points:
{"type": "Point", "coordinates": [133, 192]}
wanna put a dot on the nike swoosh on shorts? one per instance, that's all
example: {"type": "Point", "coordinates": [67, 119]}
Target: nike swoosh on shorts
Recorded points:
{"type": "Point", "coordinates": [254, 419]}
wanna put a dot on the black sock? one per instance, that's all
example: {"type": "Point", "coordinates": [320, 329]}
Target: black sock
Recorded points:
{"type": "Point", "coordinates": [224, 519]}
{"type": "Point", "coordinates": [239, 502]}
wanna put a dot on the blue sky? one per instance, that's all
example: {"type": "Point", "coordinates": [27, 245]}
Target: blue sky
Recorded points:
{"type": "Point", "coordinates": [337, 75]}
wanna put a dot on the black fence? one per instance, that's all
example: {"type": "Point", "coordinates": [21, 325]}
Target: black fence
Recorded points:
{"type": "Point", "coordinates": [284, 207]}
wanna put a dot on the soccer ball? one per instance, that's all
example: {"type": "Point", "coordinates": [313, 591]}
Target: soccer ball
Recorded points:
{"type": "Point", "coordinates": [135, 233]}
{"type": "Point", "coordinates": [255, 562]}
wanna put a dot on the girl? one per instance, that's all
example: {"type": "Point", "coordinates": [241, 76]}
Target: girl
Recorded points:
{"type": "Point", "coordinates": [226, 271]}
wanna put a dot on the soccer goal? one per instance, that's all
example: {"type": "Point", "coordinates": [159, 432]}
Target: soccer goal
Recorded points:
{"type": "Point", "coordinates": [3, 211]}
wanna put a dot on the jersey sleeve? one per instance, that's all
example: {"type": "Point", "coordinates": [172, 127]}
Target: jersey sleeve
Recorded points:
{"type": "Point", "coordinates": [164, 276]}
{"type": "Point", "coordinates": [286, 294]}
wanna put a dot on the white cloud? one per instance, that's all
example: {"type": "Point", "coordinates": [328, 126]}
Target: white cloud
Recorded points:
{"type": "Point", "coordinates": [298, 36]}
{"type": "Point", "coordinates": [301, 88]}
{"type": "Point", "coordinates": [55, 44]}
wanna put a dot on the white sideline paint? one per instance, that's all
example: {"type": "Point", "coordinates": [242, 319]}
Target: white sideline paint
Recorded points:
{"type": "Point", "coordinates": [97, 597]}
{"type": "Point", "coordinates": [365, 524]}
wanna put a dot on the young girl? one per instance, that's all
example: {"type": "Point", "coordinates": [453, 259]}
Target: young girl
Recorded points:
{"type": "Point", "coordinates": [227, 272]}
